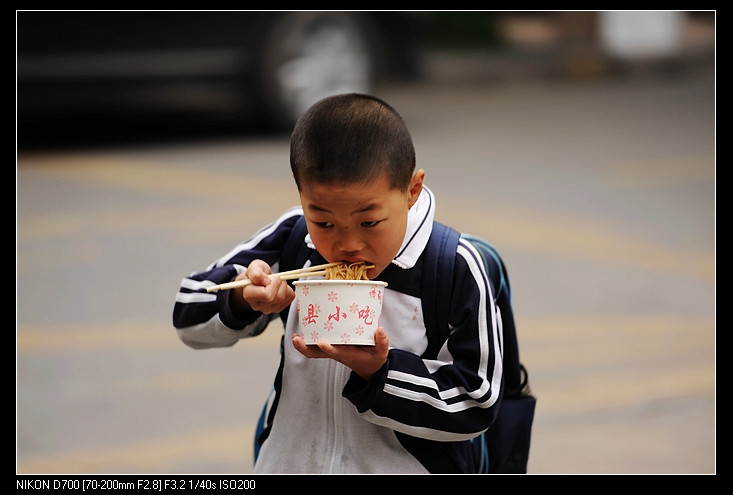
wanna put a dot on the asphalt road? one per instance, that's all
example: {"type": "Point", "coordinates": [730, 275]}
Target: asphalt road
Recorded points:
{"type": "Point", "coordinates": [599, 193]}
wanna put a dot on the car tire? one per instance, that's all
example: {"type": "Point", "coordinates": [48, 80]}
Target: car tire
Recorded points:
{"type": "Point", "coordinates": [306, 56]}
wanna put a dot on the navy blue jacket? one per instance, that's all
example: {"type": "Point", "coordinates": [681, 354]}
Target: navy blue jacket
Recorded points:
{"type": "Point", "coordinates": [416, 415]}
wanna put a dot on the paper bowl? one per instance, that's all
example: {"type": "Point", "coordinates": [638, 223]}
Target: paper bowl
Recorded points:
{"type": "Point", "coordinates": [339, 311]}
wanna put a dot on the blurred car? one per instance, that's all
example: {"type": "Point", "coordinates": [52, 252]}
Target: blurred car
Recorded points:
{"type": "Point", "coordinates": [85, 64]}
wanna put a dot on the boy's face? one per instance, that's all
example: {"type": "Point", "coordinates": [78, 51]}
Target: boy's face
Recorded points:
{"type": "Point", "coordinates": [364, 221]}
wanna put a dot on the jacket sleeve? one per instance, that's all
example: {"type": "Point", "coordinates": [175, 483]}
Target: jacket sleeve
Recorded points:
{"type": "Point", "coordinates": [453, 397]}
{"type": "Point", "coordinates": [205, 319]}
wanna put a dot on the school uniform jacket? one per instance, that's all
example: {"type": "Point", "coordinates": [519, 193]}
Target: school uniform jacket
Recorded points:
{"type": "Point", "coordinates": [415, 415]}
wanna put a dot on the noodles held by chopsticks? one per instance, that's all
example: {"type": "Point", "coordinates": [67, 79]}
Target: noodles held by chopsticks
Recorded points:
{"type": "Point", "coordinates": [332, 271]}
{"type": "Point", "coordinates": [353, 271]}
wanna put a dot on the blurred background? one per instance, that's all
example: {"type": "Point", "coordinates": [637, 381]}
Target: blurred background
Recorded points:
{"type": "Point", "coordinates": [581, 143]}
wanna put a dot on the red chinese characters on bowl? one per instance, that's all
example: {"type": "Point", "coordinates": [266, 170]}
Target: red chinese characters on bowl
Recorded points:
{"type": "Point", "coordinates": [339, 311]}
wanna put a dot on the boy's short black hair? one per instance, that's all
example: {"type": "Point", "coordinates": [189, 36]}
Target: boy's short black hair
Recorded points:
{"type": "Point", "coordinates": [351, 138]}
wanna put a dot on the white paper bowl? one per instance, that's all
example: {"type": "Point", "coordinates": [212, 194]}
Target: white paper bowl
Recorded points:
{"type": "Point", "coordinates": [339, 311]}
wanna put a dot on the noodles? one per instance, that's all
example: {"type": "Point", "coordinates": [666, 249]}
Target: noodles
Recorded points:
{"type": "Point", "coordinates": [353, 271]}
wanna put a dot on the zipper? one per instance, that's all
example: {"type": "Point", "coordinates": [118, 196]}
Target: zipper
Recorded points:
{"type": "Point", "coordinates": [337, 441]}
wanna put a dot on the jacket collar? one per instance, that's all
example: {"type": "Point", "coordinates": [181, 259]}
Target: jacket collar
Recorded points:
{"type": "Point", "coordinates": [419, 227]}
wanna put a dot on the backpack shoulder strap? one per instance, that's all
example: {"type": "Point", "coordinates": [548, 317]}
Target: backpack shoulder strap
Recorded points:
{"type": "Point", "coordinates": [438, 262]}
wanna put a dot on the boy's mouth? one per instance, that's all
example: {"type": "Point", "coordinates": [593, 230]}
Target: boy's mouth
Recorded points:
{"type": "Point", "coordinates": [354, 261]}
{"type": "Point", "coordinates": [370, 266]}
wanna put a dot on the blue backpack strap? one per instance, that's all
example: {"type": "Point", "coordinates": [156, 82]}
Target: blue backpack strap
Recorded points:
{"type": "Point", "coordinates": [438, 263]}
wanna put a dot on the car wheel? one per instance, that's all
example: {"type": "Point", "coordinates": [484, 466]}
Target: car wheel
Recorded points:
{"type": "Point", "coordinates": [307, 56]}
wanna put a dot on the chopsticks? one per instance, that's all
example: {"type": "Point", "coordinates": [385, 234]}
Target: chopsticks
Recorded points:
{"type": "Point", "coordinates": [311, 271]}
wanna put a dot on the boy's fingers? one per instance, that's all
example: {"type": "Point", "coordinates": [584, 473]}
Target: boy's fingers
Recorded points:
{"type": "Point", "coordinates": [259, 278]}
{"type": "Point", "coordinates": [258, 272]}
{"type": "Point", "coordinates": [311, 351]}
{"type": "Point", "coordinates": [326, 348]}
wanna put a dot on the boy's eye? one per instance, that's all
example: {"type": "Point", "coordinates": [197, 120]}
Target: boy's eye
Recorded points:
{"type": "Point", "coordinates": [328, 225]}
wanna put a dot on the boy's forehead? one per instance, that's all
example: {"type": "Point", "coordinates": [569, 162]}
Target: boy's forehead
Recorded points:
{"type": "Point", "coordinates": [376, 184]}
{"type": "Point", "coordinates": [354, 197]}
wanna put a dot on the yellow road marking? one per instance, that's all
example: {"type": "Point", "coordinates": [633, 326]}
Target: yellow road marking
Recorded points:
{"type": "Point", "coordinates": [225, 446]}
{"type": "Point", "coordinates": [663, 172]}
{"type": "Point", "coordinates": [577, 236]}
{"type": "Point", "coordinates": [605, 362]}
{"type": "Point", "coordinates": [661, 356]}
{"type": "Point", "coordinates": [159, 178]}
{"type": "Point", "coordinates": [524, 228]}
{"type": "Point", "coordinates": [118, 335]}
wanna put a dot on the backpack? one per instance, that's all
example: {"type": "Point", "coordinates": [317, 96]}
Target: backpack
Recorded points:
{"type": "Point", "coordinates": [503, 448]}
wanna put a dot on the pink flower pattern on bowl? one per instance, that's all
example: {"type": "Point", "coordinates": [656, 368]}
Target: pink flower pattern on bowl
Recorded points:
{"type": "Point", "coordinates": [339, 311]}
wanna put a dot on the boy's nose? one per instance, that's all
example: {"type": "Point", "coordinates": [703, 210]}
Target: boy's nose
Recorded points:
{"type": "Point", "coordinates": [350, 243]}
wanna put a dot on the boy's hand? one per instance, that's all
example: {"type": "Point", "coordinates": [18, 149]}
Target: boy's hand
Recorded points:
{"type": "Point", "coordinates": [365, 360]}
{"type": "Point", "coordinates": [265, 294]}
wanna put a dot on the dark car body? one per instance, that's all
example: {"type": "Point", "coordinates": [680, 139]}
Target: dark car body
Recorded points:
{"type": "Point", "coordinates": [273, 64]}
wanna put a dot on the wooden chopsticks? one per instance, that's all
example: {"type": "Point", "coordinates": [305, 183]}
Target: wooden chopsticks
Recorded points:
{"type": "Point", "coordinates": [311, 271]}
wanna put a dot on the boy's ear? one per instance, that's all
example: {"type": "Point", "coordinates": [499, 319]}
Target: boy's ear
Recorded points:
{"type": "Point", "coordinates": [415, 187]}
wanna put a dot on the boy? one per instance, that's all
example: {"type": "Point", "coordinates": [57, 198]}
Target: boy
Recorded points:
{"type": "Point", "coordinates": [359, 409]}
